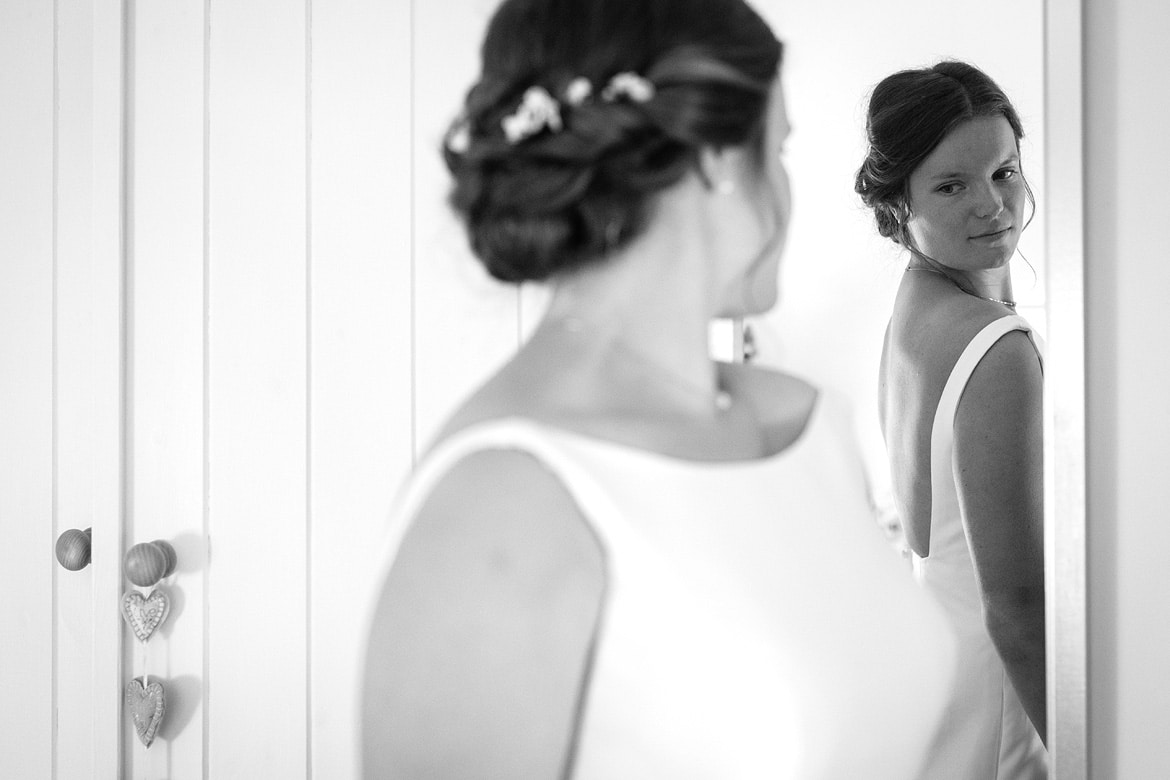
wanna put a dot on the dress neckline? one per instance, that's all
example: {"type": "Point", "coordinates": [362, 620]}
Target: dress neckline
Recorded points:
{"type": "Point", "coordinates": [623, 449]}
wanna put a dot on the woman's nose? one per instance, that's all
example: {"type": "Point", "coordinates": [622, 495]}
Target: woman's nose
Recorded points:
{"type": "Point", "coordinates": [990, 203]}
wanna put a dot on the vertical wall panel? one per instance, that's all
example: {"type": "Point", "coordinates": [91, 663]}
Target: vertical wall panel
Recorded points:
{"type": "Point", "coordinates": [26, 388]}
{"type": "Point", "coordinates": [256, 685]}
{"type": "Point", "coordinates": [165, 329]}
{"type": "Point", "coordinates": [1126, 111]}
{"type": "Point", "coordinates": [74, 399]}
{"type": "Point", "coordinates": [465, 323]}
{"type": "Point", "coordinates": [1064, 387]}
{"type": "Point", "coordinates": [360, 341]}
{"type": "Point", "coordinates": [105, 381]}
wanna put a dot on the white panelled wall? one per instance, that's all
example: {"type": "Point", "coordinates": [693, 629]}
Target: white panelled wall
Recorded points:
{"type": "Point", "coordinates": [27, 462]}
{"type": "Point", "coordinates": [61, 371]}
{"type": "Point", "coordinates": [290, 332]}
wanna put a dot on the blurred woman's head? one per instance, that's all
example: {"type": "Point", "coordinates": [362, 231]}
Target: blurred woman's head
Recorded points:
{"type": "Point", "coordinates": [586, 110]}
{"type": "Point", "coordinates": [942, 172]}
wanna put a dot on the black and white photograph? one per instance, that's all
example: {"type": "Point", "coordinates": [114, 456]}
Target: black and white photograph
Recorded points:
{"type": "Point", "coordinates": [591, 389]}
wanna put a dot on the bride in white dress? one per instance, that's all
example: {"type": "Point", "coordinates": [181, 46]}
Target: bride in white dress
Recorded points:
{"type": "Point", "coordinates": [621, 559]}
{"type": "Point", "coordinates": [961, 386]}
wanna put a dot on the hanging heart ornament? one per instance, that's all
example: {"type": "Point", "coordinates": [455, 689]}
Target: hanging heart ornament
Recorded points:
{"type": "Point", "coordinates": [147, 707]}
{"type": "Point", "coordinates": [145, 614]}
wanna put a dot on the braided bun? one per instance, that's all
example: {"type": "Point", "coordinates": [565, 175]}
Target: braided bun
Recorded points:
{"type": "Point", "coordinates": [565, 195]}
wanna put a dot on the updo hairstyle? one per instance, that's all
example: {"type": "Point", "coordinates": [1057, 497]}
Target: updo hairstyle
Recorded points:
{"type": "Point", "coordinates": [563, 197]}
{"type": "Point", "coordinates": [910, 112]}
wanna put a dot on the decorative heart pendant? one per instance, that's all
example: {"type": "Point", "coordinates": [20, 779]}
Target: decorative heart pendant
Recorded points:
{"type": "Point", "coordinates": [144, 615]}
{"type": "Point", "coordinates": [147, 707]}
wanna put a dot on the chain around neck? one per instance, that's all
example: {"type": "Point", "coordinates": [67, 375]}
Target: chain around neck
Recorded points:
{"type": "Point", "coordinates": [1009, 304]}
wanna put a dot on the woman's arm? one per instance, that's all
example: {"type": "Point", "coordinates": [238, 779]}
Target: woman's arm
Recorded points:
{"type": "Point", "coordinates": [481, 637]}
{"type": "Point", "coordinates": [1000, 473]}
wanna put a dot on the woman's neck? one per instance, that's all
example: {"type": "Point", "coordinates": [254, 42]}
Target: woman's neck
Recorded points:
{"type": "Point", "coordinates": [667, 360]}
{"type": "Point", "coordinates": [987, 283]}
{"type": "Point", "coordinates": [645, 312]}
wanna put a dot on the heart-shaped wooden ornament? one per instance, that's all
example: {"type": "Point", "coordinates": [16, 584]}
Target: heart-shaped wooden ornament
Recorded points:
{"type": "Point", "coordinates": [145, 614]}
{"type": "Point", "coordinates": [147, 705]}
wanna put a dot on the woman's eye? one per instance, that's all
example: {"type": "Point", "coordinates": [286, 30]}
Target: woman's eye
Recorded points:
{"type": "Point", "coordinates": [949, 189]}
{"type": "Point", "coordinates": [1006, 174]}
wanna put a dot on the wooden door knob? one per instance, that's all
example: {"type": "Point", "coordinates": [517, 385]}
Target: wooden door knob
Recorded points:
{"type": "Point", "coordinates": [147, 563]}
{"type": "Point", "coordinates": [73, 549]}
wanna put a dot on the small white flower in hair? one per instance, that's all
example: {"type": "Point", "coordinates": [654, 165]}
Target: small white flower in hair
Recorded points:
{"type": "Point", "coordinates": [628, 85]}
{"type": "Point", "coordinates": [537, 110]}
{"type": "Point", "coordinates": [459, 139]}
{"type": "Point", "coordinates": [578, 91]}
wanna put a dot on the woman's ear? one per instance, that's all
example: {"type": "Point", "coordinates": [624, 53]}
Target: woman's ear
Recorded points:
{"type": "Point", "coordinates": [722, 170]}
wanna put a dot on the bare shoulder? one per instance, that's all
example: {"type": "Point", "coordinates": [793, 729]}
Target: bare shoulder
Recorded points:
{"type": "Point", "coordinates": [1008, 380]}
{"type": "Point", "coordinates": [528, 385]}
{"type": "Point", "coordinates": [1014, 352]}
{"type": "Point", "coordinates": [510, 483]}
{"type": "Point", "coordinates": [932, 323]}
{"type": "Point", "coordinates": [494, 400]}
{"type": "Point", "coordinates": [999, 429]}
{"type": "Point", "coordinates": [496, 588]}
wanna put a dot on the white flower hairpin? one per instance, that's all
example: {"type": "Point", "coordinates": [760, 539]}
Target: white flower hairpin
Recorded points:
{"type": "Point", "coordinates": [630, 86]}
{"type": "Point", "coordinates": [459, 139]}
{"type": "Point", "coordinates": [537, 110]}
{"type": "Point", "coordinates": [578, 91]}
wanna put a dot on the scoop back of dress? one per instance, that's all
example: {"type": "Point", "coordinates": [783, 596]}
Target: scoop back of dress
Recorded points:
{"type": "Point", "coordinates": [986, 732]}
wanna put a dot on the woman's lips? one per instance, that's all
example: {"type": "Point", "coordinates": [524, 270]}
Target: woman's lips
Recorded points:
{"type": "Point", "coordinates": [992, 238]}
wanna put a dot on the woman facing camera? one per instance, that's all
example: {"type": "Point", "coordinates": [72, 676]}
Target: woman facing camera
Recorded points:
{"type": "Point", "coordinates": [621, 559]}
{"type": "Point", "coordinates": [960, 391]}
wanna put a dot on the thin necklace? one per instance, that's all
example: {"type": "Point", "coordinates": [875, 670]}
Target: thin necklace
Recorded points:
{"type": "Point", "coordinates": [1009, 304]}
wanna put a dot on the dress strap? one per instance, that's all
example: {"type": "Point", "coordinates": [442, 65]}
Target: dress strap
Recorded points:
{"type": "Point", "coordinates": [943, 430]}
{"type": "Point", "coordinates": [512, 433]}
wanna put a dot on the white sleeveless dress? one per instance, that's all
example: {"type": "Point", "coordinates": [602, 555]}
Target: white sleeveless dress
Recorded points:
{"type": "Point", "coordinates": [755, 622]}
{"type": "Point", "coordinates": [986, 734]}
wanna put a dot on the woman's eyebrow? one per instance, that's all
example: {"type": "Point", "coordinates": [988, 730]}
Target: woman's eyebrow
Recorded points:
{"type": "Point", "coordinates": [1013, 158]}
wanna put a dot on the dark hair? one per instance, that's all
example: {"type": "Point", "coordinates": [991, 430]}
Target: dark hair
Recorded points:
{"type": "Point", "coordinates": [560, 199]}
{"type": "Point", "coordinates": [910, 112]}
